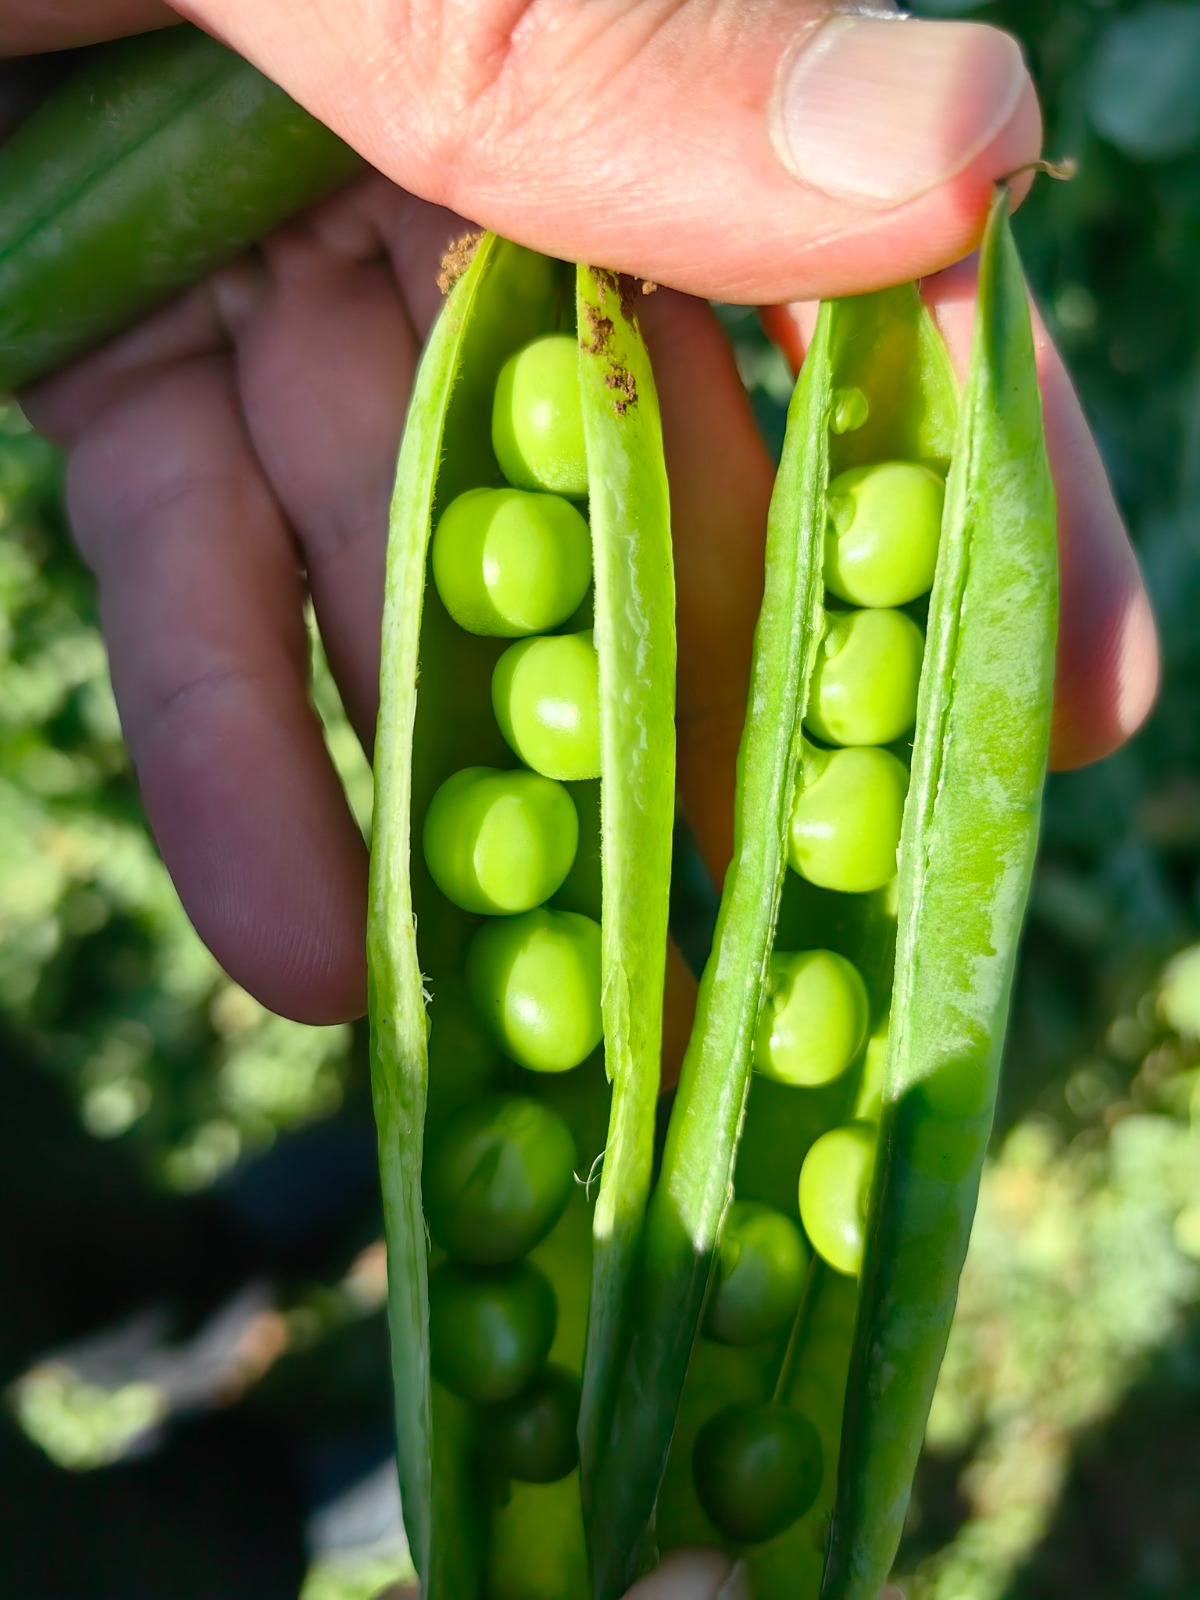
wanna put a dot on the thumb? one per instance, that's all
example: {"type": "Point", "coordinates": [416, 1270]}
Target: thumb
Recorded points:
{"type": "Point", "coordinates": [753, 150]}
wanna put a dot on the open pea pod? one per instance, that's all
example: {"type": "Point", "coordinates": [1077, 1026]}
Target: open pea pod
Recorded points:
{"type": "Point", "coordinates": [823, 1157]}
{"type": "Point", "coordinates": [515, 719]}
{"type": "Point", "coordinates": [155, 161]}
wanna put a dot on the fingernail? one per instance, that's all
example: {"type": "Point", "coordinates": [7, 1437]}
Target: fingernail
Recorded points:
{"type": "Point", "coordinates": [736, 1585]}
{"type": "Point", "coordinates": [883, 110]}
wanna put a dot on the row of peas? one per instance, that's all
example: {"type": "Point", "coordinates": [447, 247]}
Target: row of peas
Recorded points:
{"type": "Point", "coordinates": [757, 1467]}
{"type": "Point", "coordinates": [516, 563]}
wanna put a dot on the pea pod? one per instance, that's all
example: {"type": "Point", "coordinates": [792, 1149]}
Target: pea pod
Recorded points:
{"type": "Point", "coordinates": [157, 160]}
{"type": "Point", "coordinates": [442, 971]}
{"type": "Point", "coordinates": [866, 1123]}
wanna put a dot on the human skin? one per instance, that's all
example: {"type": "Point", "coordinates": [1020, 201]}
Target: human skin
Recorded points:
{"type": "Point", "coordinates": [233, 454]}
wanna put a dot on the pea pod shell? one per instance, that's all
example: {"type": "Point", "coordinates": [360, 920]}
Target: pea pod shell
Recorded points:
{"type": "Point", "coordinates": [694, 1187]}
{"type": "Point", "coordinates": [991, 632]}
{"type": "Point", "coordinates": [158, 160]}
{"type": "Point", "coordinates": [966, 860]}
{"type": "Point", "coordinates": [505, 297]}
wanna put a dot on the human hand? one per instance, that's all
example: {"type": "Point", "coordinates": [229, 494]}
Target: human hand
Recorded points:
{"type": "Point", "coordinates": [249, 430]}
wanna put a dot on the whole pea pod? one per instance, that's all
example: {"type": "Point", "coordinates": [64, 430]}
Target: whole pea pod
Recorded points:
{"type": "Point", "coordinates": [156, 161]}
{"type": "Point", "coordinates": [822, 1163]}
{"type": "Point", "coordinates": [524, 802]}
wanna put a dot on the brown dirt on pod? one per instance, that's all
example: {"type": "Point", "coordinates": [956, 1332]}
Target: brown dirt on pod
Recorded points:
{"type": "Point", "coordinates": [599, 339]}
{"type": "Point", "coordinates": [457, 259]}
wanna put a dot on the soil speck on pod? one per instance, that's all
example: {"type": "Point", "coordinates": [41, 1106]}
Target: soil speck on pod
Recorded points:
{"type": "Point", "coordinates": [601, 332]}
{"type": "Point", "coordinates": [625, 388]}
{"type": "Point", "coordinates": [620, 380]}
{"type": "Point", "coordinates": [457, 259]}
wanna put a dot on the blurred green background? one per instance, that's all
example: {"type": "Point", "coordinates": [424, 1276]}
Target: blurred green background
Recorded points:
{"type": "Point", "coordinates": [191, 1343]}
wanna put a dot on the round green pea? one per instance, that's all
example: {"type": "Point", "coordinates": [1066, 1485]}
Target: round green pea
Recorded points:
{"type": "Point", "coordinates": [508, 563]}
{"type": "Point", "coordinates": [546, 696]}
{"type": "Point", "coordinates": [535, 982]}
{"type": "Point", "coordinates": [868, 670]}
{"type": "Point", "coordinates": [759, 1275]}
{"type": "Point", "coordinates": [498, 1175]}
{"type": "Point", "coordinates": [814, 1018]}
{"type": "Point", "coordinates": [537, 418]}
{"type": "Point", "coordinates": [490, 1329]}
{"type": "Point", "coordinates": [881, 541]}
{"type": "Point", "coordinates": [532, 1438]}
{"type": "Point", "coordinates": [835, 1193]}
{"type": "Point", "coordinates": [500, 842]}
{"type": "Point", "coordinates": [757, 1470]}
{"type": "Point", "coordinates": [845, 824]}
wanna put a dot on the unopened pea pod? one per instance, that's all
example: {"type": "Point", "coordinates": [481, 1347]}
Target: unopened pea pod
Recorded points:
{"type": "Point", "coordinates": [489, 924]}
{"type": "Point", "coordinates": [912, 866]}
{"type": "Point", "coordinates": [154, 162]}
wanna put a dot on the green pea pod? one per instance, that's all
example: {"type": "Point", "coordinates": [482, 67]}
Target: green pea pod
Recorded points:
{"type": "Point", "coordinates": [470, 1530]}
{"type": "Point", "coordinates": [966, 860]}
{"type": "Point", "coordinates": [156, 161]}
{"type": "Point", "coordinates": [866, 1119]}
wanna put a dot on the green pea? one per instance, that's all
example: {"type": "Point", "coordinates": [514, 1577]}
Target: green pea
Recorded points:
{"type": "Point", "coordinates": [835, 1191]}
{"type": "Point", "coordinates": [507, 563]}
{"type": "Point", "coordinates": [535, 981]}
{"type": "Point", "coordinates": [490, 1329]}
{"type": "Point", "coordinates": [546, 696]}
{"type": "Point", "coordinates": [850, 410]}
{"type": "Point", "coordinates": [885, 522]}
{"type": "Point", "coordinates": [498, 1175]}
{"type": "Point", "coordinates": [537, 418]}
{"type": "Point", "coordinates": [864, 684]}
{"type": "Point", "coordinates": [500, 842]}
{"type": "Point", "coordinates": [757, 1470]}
{"type": "Point", "coordinates": [845, 825]}
{"type": "Point", "coordinates": [532, 1437]}
{"type": "Point", "coordinates": [759, 1275]}
{"type": "Point", "coordinates": [814, 1019]}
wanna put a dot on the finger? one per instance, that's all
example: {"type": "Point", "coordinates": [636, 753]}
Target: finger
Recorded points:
{"type": "Point", "coordinates": [1108, 670]}
{"type": "Point", "coordinates": [758, 153]}
{"type": "Point", "coordinates": [721, 478]}
{"type": "Point", "coordinates": [200, 597]}
{"type": "Point", "coordinates": [697, 1574]}
{"type": "Point", "coordinates": [63, 406]}
{"type": "Point", "coordinates": [29, 26]}
{"type": "Point", "coordinates": [1107, 674]}
{"type": "Point", "coordinates": [325, 357]}
{"type": "Point", "coordinates": [326, 352]}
